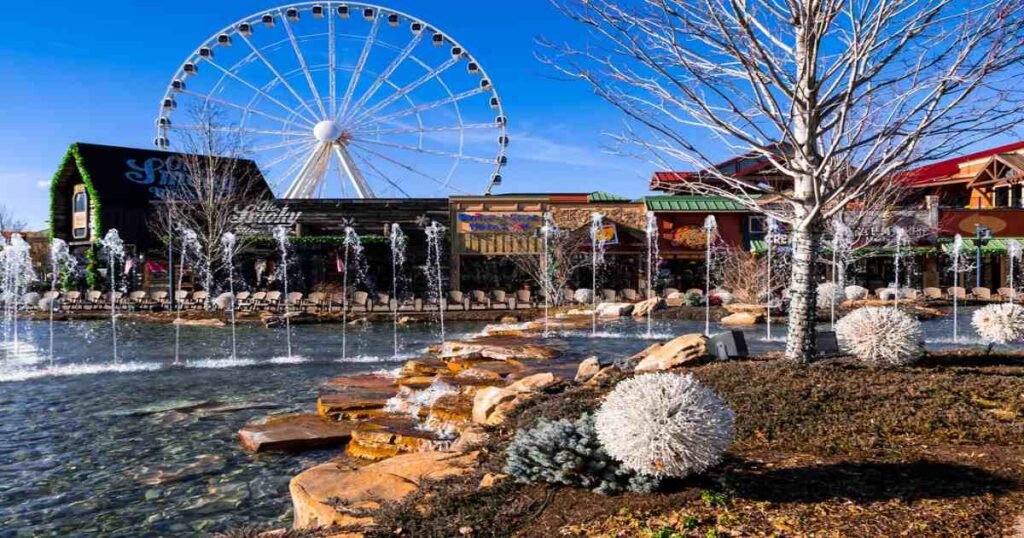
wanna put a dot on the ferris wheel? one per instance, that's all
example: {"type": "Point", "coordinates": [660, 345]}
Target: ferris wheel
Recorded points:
{"type": "Point", "coordinates": [337, 99]}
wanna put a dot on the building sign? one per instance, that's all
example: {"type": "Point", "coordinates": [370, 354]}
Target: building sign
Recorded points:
{"type": "Point", "coordinates": [163, 176]}
{"type": "Point", "coordinates": [687, 237]}
{"type": "Point", "coordinates": [608, 234]}
{"type": "Point", "coordinates": [1002, 222]}
{"type": "Point", "coordinates": [260, 218]}
{"type": "Point", "coordinates": [499, 222]}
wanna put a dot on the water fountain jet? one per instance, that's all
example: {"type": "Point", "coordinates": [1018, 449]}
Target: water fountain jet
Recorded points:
{"type": "Point", "coordinates": [114, 247]}
{"type": "Point", "coordinates": [710, 230]}
{"type": "Point", "coordinates": [435, 239]}
{"type": "Point", "coordinates": [597, 249]}
{"type": "Point", "coordinates": [653, 260]}
{"type": "Point", "coordinates": [398, 244]}
{"type": "Point", "coordinates": [228, 242]}
{"type": "Point", "coordinates": [61, 260]}
{"type": "Point", "coordinates": [281, 235]}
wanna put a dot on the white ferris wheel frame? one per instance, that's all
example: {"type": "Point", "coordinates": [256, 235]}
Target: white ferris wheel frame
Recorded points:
{"type": "Point", "coordinates": [347, 116]}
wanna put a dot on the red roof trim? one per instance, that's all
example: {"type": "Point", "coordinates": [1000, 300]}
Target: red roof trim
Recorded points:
{"type": "Point", "coordinates": [929, 173]}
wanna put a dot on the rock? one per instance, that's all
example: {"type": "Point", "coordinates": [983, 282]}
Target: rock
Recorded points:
{"type": "Point", "coordinates": [47, 303]}
{"type": "Point", "coordinates": [583, 296]}
{"type": "Point", "coordinates": [509, 319]}
{"type": "Point", "coordinates": [588, 369]}
{"type": "Point", "coordinates": [460, 350]}
{"type": "Point", "coordinates": [479, 373]}
{"type": "Point", "coordinates": [677, 298]}
{"type": "Point", "coordinates": [417, 368]}
{"type": "Point", "coordinates": [353, 403]}
{"type": "Point", "coordinates": [337, 494]}
{"type": "Point", "coordinates": [404, 320]}
{"type": "Point", "coordinates": [520, 352]}
{"type": "Point", "coordinates": [855, 293]}
{"type": "Point", "coordinates": [292, 433]}
{"type": "Point", "coordinates": [487, 400]}
{"type": "Point", "coordinates": [359, 321]}
{"type": "Point", "coordinates": [199, 322]}
{"type": "Point", "coordinates": [643, 308]}
{"type": "Point", "coordinates": [492, 404]}
{"type": "Point", "coordinates": [745, 308]}
{"type": "Point", "coordinates": [614, 310]}
{"type": "Point", "coordinates": [385, 437]}
{"type": "Point", "coordinates": [453, 409]}
{"type": "Point", "coordinates": [741, 319]}
{"type": "Point", "coordinates": [470, 438]}
{"type": "Point", "coordinates": [491, 479]}
{"type": "Point", "coordinates": [685, 349]}
{"type": "Point", "coordinates": [533, 383]}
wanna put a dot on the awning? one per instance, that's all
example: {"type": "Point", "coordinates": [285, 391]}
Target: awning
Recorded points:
{"type": "Point", "coordinates": [995, 246]}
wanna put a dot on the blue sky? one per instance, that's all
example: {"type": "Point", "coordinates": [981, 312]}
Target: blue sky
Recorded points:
{"type": "Point", "coordinates": [97, 75]}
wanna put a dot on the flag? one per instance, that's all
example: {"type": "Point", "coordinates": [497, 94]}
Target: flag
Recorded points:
{"type": "Point", "coordinates": [339, 263]}
{"type": "Point", "coordinates": [154, 267]}
{"type": "Point", "coordinates": [129, 264]}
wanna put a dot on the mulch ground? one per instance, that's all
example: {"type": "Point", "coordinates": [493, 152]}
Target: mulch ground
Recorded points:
{"type": "Point", "coordinates": [829, 450]}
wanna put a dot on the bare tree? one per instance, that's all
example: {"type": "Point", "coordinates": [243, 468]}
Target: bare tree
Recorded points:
{"type": "Point", "coordinates": [837, 95]}
{"type": "Point", "coordinates": [8, 222]}
{"type": "Point", "coordinates": [215, 182]}
{"type": "Point", "coordinates": [568, 252]}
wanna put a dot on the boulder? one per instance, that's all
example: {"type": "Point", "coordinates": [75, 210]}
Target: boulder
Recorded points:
{"type": "Point", "coordinates": [223, 301]}
{"type": "Point", "coordinates": [745, 308]}
{"type": "Point", "coordinates": [385, 437]}
{"type": "Point", "coordinates": [353, 403]}
{"type": "Point", "coordinates": [470, 438]}
{"type": "Point", "coordinates": [856, 293]}
{"type": "Point", "coordinates": [614, 310]}
{"type": "Point", "coordinates": [520, 352]}
{"type": "Point", "coordinates": [49, 303]}
{"type": "Point", "coordinates": [583, 296]}
{"type": "Point", "coordinates": [199, 322]}
{"type": "Point", "coordinates": [420, 367]}
{"type": "Point", "coordinates": [643, 308]}
{"type": "Point", "coordinates": [492, 404]}
{"type": "Point", "coordinates": [293, 433]}
{"type": "Point", "coordinates": [487, 400]}
{"type": "Point", "coordinates": [338, 494]}
{"type": "Point", "coordinates": [492, 479]}
{"type": "Point", "coordinates": [741, 319]}
{"type": "Point", "coordinates": [677, 298]}
{"type": "Point", "coordinates": [587, 369]}
{"type": "Point", "coordinates": [683, 350]}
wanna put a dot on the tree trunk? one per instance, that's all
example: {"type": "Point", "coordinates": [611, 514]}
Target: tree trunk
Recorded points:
{"type": "Point", "coordinates": [803, 291]}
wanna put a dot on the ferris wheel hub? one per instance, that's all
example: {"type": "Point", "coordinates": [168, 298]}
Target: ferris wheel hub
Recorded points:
{"type": "Point", "coordinates": [327, 131]}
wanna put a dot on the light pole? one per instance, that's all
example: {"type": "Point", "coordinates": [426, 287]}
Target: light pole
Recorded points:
{"type": "Point", "coordinates": [982, 236]}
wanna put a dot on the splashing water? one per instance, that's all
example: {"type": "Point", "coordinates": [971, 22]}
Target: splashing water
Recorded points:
{"type": "Point", "coordinates": [1013, 251]}
{"type": "Point", "coordinates": [653, 260]}
{"type": "Point", "coordinates": [548, 279]}
{"type": "Point", "coordinates": [283, 241]}
{"type": "Point", "coordinates": [842, 249]}
{"type": "Point", "coordinates": [354, 257]}
{"type": "Point", "coordinates": [189, 243]}
{"type": "Point", "coordinates": [229, 241]}
{"type": "Point", "coordinates": [435, 243]}
{"type": "Point", "coordinates": [710, 231]}
{"type": "Point", "coordinates": [773, 235]}
{"type": "Point", "coordinates": [16, 275]}
{"type": "Point", "coordinates": [900, 239]}
{"type": "Point", "coordinates": [61, 261]}
{"type": "Point", "coordinates": [958, 266]}
{"type": "Point", "coordinates": [114, 247]}
{"type": "Point", "coordinates": [598, 243]}
{"type": "Point", "coordinates": [398, 244]}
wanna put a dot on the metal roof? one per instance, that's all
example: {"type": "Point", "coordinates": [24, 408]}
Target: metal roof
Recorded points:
{"type": "Point", "coordinates": [601, 196]}
{"type": "Point", "coordinates": [694, 204]}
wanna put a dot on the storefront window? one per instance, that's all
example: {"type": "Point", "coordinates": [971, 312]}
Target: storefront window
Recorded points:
{"type": "Point", "coordinates": [1018, 195]}
{"type": "Point", "coordinates": [80, 214]}
{"type": "Point", "coordinates": [757, 225]}
{"type": "Point", "coordinates": [1002, 197]}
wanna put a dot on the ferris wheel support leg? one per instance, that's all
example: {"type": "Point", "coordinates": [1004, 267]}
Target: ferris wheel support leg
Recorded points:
{"type": "Point", "coordinates": [302, 183]}
{"type": "Point", "coordinates": [352, 171]}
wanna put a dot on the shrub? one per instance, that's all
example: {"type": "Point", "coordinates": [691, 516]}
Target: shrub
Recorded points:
{"type": "Point", "coordinates": [999, 323]}
{"type": "Point", "coordinates": [665, 425]}
{"type": "Point", "coordinates": [694, 299]}
{"type": "Point", "coordinates": [880, 335]}
{"type": "Point", "coordinates": [567, 452]}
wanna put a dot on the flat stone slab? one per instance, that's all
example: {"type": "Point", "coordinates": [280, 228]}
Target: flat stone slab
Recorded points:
{"type": "Point", "coordinates": [353, 403]}
{"type": "Point", "coordinates": [294, 433]}
{"type": "Point", "coordinates": [388, 436]}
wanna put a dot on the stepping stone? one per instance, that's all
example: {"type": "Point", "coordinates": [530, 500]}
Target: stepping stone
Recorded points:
{"type": "Point", "coordinates": [385, 437]}
{"type": "Point", "coordinates": [353, 403]}
{"type": "Point", "coordinates": [454, 408]}
{"type": "Point", "coordinates": [293, 433]}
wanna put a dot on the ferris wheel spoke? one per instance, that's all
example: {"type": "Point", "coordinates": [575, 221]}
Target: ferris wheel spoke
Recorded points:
{"type": "Point", "coordinates": [236, 130]}
{"type": "Point", "coordinates": [350, 169]}
{"type": "Point", "coordinates": [426, 106]}
{"type": "Point", "coordinates": [277, 74]}
{"type": "Point", "coordinates": [404, 91]}
{"type": "Point", "coordinates": [361, 64]}
{"type": "Point", "coordinates": [290, 154]}
{"type": "Point", "coordinates": [415, 149]}
{"type": "Point", "coordinates": [254, 88]}
{"type": "Point", "coordinates": [288, 143]}
{"type": "Point", "coordinates": [305, 181]}
{"type": "Point", "coordinates": [332, 59]}
{"type": "Point", "coordinates": [415, 130]}
{"type": "Point", "coordinates": [302, 63]}
{"type": "Point", "coordinates": [390, 70]}
{"type": "Point", "coordinates": [444, 183]}
{"type": "Point", "coordinates": [289, 173]}
{"type": "Point", "coordinates": [247, 109]}
{"type": "Point", "coordinates": [382, 175]}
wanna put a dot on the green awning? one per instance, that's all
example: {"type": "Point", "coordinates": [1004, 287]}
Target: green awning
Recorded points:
{"type": "Point", "coordinates": [994, 246]}
{"type": "Point", "coordinates": [694, 204]}
{"type": "Point", "coordinates": [601, 196]}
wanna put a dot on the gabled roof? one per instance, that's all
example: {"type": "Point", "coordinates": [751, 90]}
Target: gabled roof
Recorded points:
{"type": "Point", "coordinates": [693, 204]}
{"type": "Point", "coordinates": [749, 164]}
{"type": "Point", "coordinates": [942, 171]}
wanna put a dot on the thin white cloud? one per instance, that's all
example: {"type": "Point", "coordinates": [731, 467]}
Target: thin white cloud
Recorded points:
{"type": "Point", "coordinates": [43, 184]}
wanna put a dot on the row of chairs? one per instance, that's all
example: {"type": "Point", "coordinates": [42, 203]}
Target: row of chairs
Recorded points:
{"type": "Point", "coordinates": [976, 294]}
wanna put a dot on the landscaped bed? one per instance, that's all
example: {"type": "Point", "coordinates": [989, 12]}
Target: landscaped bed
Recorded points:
{"type": "Point", "coordinates": [832, 449]}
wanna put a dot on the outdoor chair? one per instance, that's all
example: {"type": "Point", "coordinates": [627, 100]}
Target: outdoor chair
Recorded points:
{"type": "Point", "coordinates": [880, 292]}
{"type": "Point", "coordinates": [93, 300]}
{"type": "Point", "coordinates": [629, 295]}
{"type": "Point", "coordinates": [667, 293]}
{"type": "Point", "coordinates": [910, 294]}
{"type": "Point", "coordinates": [933, 294]}
{"type": "Point", "coordinates": [456, 300]}
{"type": "Point", "coordinates": [609, 296]}
{"type": "Point", "coordinates": [381, 301]}
{"type": "Point", "coordinates": [360, 302]}
{"type": "Point", "coordinates": [503, 299]}
{"type": "Point", "coordinates": [160, 298]}
{"type": "Point", "coordinates": [114, 298]}
{"type": "Point", "coordinates": [336, 300]}
{"type": "Point", "coordinates": [958, 292]}
{"type": "Point", "coordinates": [181, 297]}
{"type": "Point", "coordinates": [293, 302]}
{"type": "Point", "coordinates": [408, 302]}
{"type": "Point", "coordinates": [254, 301]}
{"type": "Point", "coordinates": [479, 299]}
{"type": "Point", "coordinates": [271, 302]}
{"type": "Point", "coordinates": [139, 299]}
{"type": "Point", "coordinates": [73, 300]}
{"type": "Point", "coordinates": [198, 301]}
{"type": "Point", "coordinates": [524, 299]}
{"type": "Point", "coordinates": [317, 301]}
{"type": "Point", "coordinates": [242, 297]}
{"type": "Point", "coordinates": [1006, 294]}
{"type": "Point", "coordinates": [982, 294]}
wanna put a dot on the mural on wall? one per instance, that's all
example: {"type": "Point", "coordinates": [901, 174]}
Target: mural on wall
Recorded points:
{"type": "Point", "coordinates": [499, 222]}
{"type": "Point", "coordinates": [686, 237]}
{"type": "Point", "coordinates": [574, 218]}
